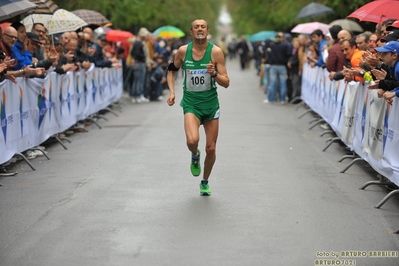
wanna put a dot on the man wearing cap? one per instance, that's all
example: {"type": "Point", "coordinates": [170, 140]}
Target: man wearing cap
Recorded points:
{"type": "Point", "coordinates": [389, 54]}
{"type": "Point", "coordinates": [39, 29]}
{"type": "Point", "coordinates": [98, 56]}
{"type": "Point", "coordinates": [381, 71]}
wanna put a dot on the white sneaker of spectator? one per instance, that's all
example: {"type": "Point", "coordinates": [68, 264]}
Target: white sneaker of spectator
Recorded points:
{"type": "Point", "coordinates": [144, 99]}
{"type": "Point", "coordinates": [325, 126]}
{"type": "Point", "coordinates": [39, 153]}
{"type": "Point", "coordinates": [139, 100]}
{"type": "Point", "coordinates": [30, 155]}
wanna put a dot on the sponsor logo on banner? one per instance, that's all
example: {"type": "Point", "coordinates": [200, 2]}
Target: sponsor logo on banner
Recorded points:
{"type": "Point", "coordinates": [341, 107]}
{"type": "Point", "coordinates": [110, 83]}
{"type": "Point", "coordinates": [68, 98]}
{"type": "Point", "coordinates": [23, 115]}
{"type": "Point", "coordinates": [51, 104]}
{"type": "Point", "coordinates": [364, 114]}
{"type": "Point", "coordinates": [94, 88]}
{"type": "Point", "coordinates": [85, 91]}
{"type": "Point", "coordinates": [3, 117]}
{"type": "Point", "coordinates": [41, 103]}
{"type": "Point", "coordinates": [387, 131]}
{"type": "Point", "coordinates": [78, 93]}
{"type": "Point", "coordinates": [101, 87]}
{"type": "Point", "coordinates": [60, 96]}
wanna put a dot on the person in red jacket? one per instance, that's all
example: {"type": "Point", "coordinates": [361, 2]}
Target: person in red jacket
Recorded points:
{"type": "Point", "coordinates": [336, 59]}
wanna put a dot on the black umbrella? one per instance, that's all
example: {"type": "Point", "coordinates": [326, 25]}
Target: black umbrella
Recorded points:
{"type": "Point", "coordinates": [313, 10]}
{"type": "Point", "coordinates": [12, 8]}
{"type": "Point", "coordinates": [91, 17]}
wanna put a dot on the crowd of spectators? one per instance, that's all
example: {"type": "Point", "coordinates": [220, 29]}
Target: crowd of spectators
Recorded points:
{"type": "Point", "coordinates": [366, 56]}
{"type": "Point", "coordinates": [35, 53]}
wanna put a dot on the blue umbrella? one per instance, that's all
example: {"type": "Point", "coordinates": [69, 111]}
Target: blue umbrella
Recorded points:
{"type": "Point", "coordinates": [262, 36]}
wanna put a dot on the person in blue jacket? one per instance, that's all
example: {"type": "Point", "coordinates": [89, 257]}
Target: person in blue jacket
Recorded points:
{"type": "Point", "coordinates": [20, 54]}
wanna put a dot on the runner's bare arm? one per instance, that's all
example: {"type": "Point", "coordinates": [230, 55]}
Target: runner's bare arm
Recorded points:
{"type": "Point", "coordinates": [171, 77]}
{"type": "Point", "coordinates": [218, 60]}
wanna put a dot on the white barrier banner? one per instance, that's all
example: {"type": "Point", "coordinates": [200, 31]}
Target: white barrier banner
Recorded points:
{"type": "Point", "coordinates": [34, 109]}
{"type": "Point", "coordinates": [338, 99]}
{"type": "Point", "coordinates": [374, 128]}
{"type": "Point", "coordinates": [349, 112]}
{"type": "Point", "coordinates": [373, 140]}
{"type": "Point", "coordinates": [360, 121]}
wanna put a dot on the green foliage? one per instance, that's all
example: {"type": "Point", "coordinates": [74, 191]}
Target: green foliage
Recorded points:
{"type": "Point", "coordinates": [251, 16]}
{"type": "Point", "coordinates": [133, 14]}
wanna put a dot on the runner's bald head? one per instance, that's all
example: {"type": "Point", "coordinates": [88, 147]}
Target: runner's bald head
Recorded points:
{"type": "Point", "coordinates": [199, 21]}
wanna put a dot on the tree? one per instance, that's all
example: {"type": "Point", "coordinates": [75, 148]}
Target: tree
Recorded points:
{"type": "Point", "coordinates": [133, 14]}
{"type": "Point", "coordinates": [251, 16]}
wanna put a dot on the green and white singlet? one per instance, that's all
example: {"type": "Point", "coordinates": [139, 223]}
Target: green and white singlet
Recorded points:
{"type": "Point", "coordinates": [199, 88]}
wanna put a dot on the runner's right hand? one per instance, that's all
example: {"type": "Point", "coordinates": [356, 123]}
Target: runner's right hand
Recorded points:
{"type": "Point", "coordinates": [171, 99]}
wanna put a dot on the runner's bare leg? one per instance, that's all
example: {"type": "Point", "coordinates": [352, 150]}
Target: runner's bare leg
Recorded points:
{"type": "Point", "coordinates": [211, 131]}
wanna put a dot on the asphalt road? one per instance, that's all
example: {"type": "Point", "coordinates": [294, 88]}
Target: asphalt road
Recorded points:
{"type": "Point", "coordinates": [124, 195]}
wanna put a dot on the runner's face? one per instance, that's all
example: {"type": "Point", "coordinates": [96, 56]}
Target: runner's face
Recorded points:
{"type": "Point", "coordinates": [199, 30]}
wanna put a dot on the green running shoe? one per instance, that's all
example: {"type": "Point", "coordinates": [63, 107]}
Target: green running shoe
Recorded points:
{"type": "Point", "coordinates": [204, 188]}
{"type": "Point", "coordinates": [195, 166]}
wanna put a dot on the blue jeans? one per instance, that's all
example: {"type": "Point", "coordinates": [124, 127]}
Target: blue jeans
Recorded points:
{"type": "Point", "coordinates": [266, 79]}
{"type": "Point", "coordinates": [139, 70]}
{"type": "Point", "coordinates": [278, 73]}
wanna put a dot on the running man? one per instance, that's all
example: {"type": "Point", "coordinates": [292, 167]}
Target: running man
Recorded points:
{"type": "Point", "coordinates": [204, 66]}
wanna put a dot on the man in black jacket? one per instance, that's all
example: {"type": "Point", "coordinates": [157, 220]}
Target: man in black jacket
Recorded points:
{"type": "Point", "coordinates": [139, 67]}
{"type": "Point", "coordinates": [280, 52]}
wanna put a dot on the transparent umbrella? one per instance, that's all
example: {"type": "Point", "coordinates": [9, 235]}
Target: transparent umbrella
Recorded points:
{"type": "Point", "coordinates": [60, 21]}
{"type": "Point", "coordinates": [308, 28]}
{"type": "Point", "coordinates": [348, 24]}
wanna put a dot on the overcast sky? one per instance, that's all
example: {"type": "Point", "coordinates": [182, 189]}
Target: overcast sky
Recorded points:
{"type": "Point", "coordinates": [224, 16]}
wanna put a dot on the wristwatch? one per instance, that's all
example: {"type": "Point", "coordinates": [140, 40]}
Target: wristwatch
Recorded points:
{"type": "Point", "coordinates": [215, 75]}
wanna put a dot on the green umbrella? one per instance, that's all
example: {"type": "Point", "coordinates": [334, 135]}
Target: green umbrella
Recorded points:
{"type": "Point", "coordinates": [262, 36]}
{"type": "Point", "coordinates": [169, 32]}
